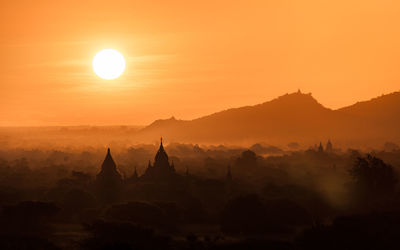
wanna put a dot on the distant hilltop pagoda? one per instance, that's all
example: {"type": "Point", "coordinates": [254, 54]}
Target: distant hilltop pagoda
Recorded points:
{"type": "Point", "coordinates": [161, 170]}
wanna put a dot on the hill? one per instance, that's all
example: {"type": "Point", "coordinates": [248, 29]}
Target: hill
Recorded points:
{"type": "Point", "coordinates": [291, 117]}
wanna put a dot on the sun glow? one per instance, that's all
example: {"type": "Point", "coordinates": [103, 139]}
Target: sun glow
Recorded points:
{"type": "Point", "coordinates": [108, 64]}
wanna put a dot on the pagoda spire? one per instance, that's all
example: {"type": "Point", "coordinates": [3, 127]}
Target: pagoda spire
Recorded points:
{"type": "Point", "coordinates": [229, 174]}
{"type": "Point", "coordinates": [320, 148]}
{"type": "Point", "coordinates": [109, 168]}
{"type": "Point", "coordinates": [172, 166]}
{"type": "Point", "coordinates": [161, 144]}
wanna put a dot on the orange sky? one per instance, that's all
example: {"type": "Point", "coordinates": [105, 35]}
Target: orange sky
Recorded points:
{"type": "Point", "coordinates": [190, 58]}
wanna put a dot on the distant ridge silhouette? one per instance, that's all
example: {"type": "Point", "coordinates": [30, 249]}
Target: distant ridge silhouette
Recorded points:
{"type": "Point", "coordinates": [291, 117]}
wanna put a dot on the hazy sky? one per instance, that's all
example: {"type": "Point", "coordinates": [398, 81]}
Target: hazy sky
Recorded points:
{"type": "Point", "coordinates": [190, 58]}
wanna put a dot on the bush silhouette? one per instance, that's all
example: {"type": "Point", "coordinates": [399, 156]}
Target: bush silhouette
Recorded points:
{"type": "Point", "coordinates": [120, 235]}
{"type": "Point", "coordinates": [28, 217]}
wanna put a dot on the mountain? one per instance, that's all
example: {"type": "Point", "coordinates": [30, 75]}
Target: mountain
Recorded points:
{"type": "Point", "coordinates": [383, 108]}
{"type": "Point", "coordinates": [291, 117]}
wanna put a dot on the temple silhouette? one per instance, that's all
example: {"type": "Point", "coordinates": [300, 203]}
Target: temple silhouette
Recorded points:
{"type": "Point", "coordinates": [109, 181]}
{"type": "Point", "coordinates": [109, 173]}
{"type": "Point", "coordinates": [160, 171]}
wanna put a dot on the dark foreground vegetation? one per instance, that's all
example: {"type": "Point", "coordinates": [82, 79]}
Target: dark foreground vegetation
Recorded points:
{"type": "Point", "coordinates": [200, 198]}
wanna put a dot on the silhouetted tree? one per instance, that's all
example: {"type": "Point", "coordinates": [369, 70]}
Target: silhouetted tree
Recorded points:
{"type": "Point", "coordinates": [373, 178]}
{"type": "Point", "coordinates": [247, 160]}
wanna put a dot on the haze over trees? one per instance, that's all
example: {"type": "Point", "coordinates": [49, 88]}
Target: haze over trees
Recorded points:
{"type": "Point", "coordinates": [185, 196]}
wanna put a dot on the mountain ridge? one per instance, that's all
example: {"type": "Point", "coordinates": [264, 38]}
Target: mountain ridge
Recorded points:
{"type": "Point", "coordinates": [294, 116]}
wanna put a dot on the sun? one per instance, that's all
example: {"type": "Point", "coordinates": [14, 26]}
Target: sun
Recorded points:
{"type": "Point", "coordinates": [108, 64]}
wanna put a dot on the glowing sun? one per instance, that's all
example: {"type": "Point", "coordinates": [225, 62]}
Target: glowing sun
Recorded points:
{"type": "Point", "coordinates": [108, 64]}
